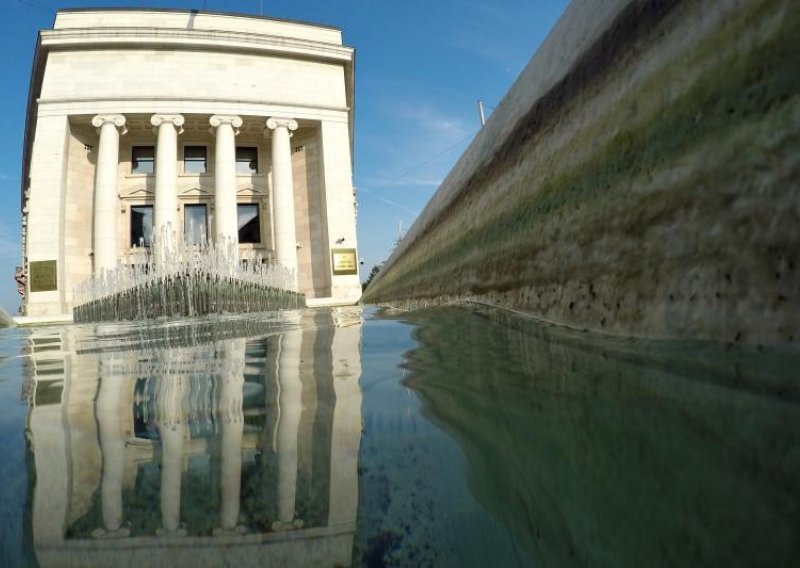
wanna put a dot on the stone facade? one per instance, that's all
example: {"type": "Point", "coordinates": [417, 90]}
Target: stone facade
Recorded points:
{"type": "Point", "coordinates": [143, 114]}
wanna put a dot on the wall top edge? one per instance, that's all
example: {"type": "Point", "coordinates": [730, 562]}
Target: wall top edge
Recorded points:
{"type": "Point", "coordinates": [194, 20]}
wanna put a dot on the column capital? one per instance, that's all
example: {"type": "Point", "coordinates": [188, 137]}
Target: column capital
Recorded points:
{"type": "Point", "coordinates": [219, 119]}
{"type": "Point", "coordinates": [159, 119]}
{"type": "Point", "coordinates": [276, 122]}
{"type": "Point", "coordinates": [117, 120]}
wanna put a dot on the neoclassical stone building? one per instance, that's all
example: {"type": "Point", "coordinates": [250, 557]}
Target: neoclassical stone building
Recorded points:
{"type": "Point", "coordinates": [206, 125]}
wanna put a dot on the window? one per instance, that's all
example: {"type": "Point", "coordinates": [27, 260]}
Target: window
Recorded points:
{"type": "Point", "coordinates": [141, 225]}
{"type": "Point", "coordinates": [246, 160]}
{"type": "Point", "coordinates": [195, 224]}
{"type": "Point", "coordinates": [249, 223]}
{"type": "Point", "coordinates": [143, 160]}
{"type": "Point", "coordinates": [194, 160]}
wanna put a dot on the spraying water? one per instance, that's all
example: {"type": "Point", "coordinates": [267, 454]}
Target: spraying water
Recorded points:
{"type": "Point", "coordinates": [178, 279]}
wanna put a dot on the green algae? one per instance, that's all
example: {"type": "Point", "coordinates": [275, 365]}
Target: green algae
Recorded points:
{"type": "Point", "coordinates": [735, 93]}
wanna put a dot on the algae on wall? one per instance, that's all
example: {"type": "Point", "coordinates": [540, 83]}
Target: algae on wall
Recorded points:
{"type": "Point", "coordinates": [652, 191]}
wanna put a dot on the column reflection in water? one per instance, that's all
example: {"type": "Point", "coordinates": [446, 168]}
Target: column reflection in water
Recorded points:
{"type": "Point", "coordinates": [170, 420]}
{"type": "Point", "coordinates": [231, 421]}
{"type": "Point", "coordinates": [112, 446]}
{"type": "Point", "coordinates": [229, 434]}
{"type": "Point", "coordinates": [289, 409]}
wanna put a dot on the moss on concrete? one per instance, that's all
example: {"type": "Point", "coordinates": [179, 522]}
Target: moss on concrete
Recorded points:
{"type": "Point", "coordinates": [650, 231]}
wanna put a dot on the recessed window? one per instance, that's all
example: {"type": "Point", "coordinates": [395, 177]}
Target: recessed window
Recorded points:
{"type": "Point", "coordinates": [246, 160]}
{"type": "Point", "coordinates": [141, 225]}
{"type": "Point", "coordinates": [194, 160]}
{"type": "Point", "coordinates": [249, 223]}
{"type": "Point", "coordinates": [195, 224]}
{"type": "Point", "coordinates": [143, 160]}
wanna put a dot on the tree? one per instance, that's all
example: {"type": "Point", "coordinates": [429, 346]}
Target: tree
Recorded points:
{"type": "Point", "coordinates": [372, 274]}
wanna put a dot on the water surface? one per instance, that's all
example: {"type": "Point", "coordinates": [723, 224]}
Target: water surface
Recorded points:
{"type": "Point", "coordinates": [450, 437]}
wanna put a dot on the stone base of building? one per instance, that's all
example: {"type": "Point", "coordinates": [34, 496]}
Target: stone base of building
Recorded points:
{"type": "Point", "coordinates": [42, 320]}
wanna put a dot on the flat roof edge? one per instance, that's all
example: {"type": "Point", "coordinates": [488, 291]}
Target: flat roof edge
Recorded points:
{"type": "Point", "coordinates": [207, 39]}
{"type": "Point", "coordinates": [195, 11]}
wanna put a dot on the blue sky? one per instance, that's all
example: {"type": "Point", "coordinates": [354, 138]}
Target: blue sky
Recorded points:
{"type": "Point", "coordinates": [420, 69]}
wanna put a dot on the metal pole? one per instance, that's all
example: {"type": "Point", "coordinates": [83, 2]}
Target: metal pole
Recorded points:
{"type": "Point", "coordinates": [480, 111]}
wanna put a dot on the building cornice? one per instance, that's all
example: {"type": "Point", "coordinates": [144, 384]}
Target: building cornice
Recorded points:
{"type": "Point", "coordinates": [212, 13]}
{"type": "Point", "coordinates": [191, 105]}
{"type": "Point", "coordinates": [160, 38]}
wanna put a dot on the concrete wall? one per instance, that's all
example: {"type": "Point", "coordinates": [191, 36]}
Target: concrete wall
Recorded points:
{"type": "Point", "coordinates": [640, 177]}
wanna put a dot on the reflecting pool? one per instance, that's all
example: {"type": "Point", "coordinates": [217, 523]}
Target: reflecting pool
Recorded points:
{"type": "Point", "coordinates": [448, 437]}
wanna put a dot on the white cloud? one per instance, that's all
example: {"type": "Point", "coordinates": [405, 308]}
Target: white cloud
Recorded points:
{"type": "Point", "coordinates": [435, 125]}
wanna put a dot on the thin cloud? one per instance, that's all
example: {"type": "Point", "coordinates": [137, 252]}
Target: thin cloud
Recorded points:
{"type": "Point", "coordinates": [397, 206]}
{"type": "Point", "coordinates": [432, 122]}
{"type": "Point", "coordinates": [405, 181]}
{"type": "Point", "coordinates": [477, 37]}
{"type": "Point", "coordinates": [370, 194]}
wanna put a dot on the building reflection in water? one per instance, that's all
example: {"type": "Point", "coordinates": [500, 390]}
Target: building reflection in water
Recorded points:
{"type": "Point", "coordinates": [227, 442]}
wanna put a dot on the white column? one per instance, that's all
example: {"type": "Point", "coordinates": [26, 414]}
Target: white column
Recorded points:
{"type": "Point", "coordinates": [283, 192]}
{"type": "Point", "coordinates": [104, 243]}
{"type": "Point", "coordinates": [225, 217]}
{"type": "Point", "coordinates": [165, 212]}
{"type": "Point", "coordinates": [290, 408]}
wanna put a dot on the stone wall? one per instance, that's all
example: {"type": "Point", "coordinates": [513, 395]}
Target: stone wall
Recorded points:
{"type": "Point", "coordinates": [640, 178]}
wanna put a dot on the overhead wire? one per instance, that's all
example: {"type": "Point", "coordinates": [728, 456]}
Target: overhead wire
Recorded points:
{"type": "Point", "coordinates": [374, 192]}
{"type": "Point", "coordinates": [420, 165]}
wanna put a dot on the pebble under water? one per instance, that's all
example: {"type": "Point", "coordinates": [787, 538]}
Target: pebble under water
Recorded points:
{"type": "Point", "coordinates": [442, 437]}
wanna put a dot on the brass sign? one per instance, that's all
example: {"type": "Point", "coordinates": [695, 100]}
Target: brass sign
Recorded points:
{"type": "Point", "coordinates": [43, 275]}
{"type": "Point", "coordinates": [344, 261]}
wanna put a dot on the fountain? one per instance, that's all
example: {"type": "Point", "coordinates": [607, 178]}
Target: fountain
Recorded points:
{"type": "Point", "coordinates": [184, 280]}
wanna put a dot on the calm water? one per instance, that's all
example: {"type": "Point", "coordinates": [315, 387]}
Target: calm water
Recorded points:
{"type": "Point", "coordinates": [448, 437]}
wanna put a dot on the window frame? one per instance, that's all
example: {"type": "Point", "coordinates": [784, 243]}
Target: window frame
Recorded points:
{"type": "Point", "coordinates": [195, 160]}
{"type": "Point", "coordinates": [131, 209]}
{"type": "Point", "coordinates": [240, 161]}
{"type": "Point", "coordinates": [196, 206]}
{"type": "Point", "coordinates": [135, 160]}
{"type": "Point", "coordinates": [257, 207]}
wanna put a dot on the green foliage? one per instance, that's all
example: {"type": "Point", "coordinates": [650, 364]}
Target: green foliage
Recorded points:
{"type": "Point", "coordinates": [372, 274]}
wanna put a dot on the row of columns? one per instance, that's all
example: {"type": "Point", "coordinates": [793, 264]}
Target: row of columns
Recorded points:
{"type": "Point", "coordinates": [165, 225]}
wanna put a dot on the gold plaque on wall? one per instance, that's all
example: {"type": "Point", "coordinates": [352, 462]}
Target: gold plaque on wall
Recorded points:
{"type": "Point", "coordinates": [344, 262]}
{"type": "Point", "coordinates": [43, 275]}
